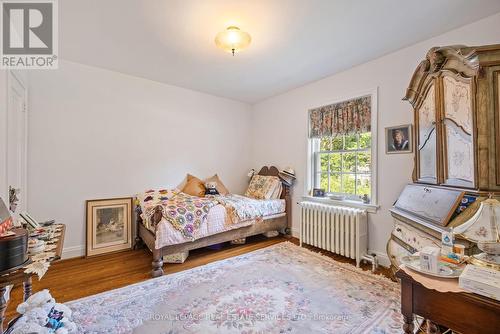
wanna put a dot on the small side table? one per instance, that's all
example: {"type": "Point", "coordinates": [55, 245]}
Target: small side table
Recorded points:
{"type": "Point", "coordinates": [13, 277]}
{"type": "Point", "coordinates": [16, 275]}
{"type": "Point", "coordinates": [462, 312]}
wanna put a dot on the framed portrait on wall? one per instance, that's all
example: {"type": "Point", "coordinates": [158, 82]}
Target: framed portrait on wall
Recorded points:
{"type": "Point", "coordinates": [109, 225]}
{"type": "Point", "coordinates": [399, 139]}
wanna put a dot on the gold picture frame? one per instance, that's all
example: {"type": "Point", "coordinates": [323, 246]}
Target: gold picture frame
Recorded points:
{"type": "Point", "coordinates": [405, 133]}
{"type": "Point", "coordinates": [109, 225]}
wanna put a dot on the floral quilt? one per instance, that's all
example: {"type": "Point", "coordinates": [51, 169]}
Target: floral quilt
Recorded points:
{"type": "Point", "coordinates": [184, 212]}
{"type": "Point", "coordinates": [149, 200]}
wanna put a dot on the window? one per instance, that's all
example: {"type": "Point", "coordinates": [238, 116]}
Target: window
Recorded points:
{"type": "Point", "coordinates": [343, 165]}
{"type": "Point", "coordinates": [342, 148]}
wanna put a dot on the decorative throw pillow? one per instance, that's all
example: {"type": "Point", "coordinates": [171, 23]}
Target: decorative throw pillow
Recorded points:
{"type": "Point", "coordinates": [264, 187]}
{"type": "Point", "coordinates": [194, 186]}
{"type": "Point", "coordinates": [221, 188]}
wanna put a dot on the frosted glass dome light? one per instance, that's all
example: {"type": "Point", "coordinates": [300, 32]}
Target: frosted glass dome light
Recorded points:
{"type": "Point", "coordinates": [232, 40]}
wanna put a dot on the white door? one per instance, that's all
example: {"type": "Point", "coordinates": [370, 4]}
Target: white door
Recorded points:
{"type": "Point", "coordinates": [17, 139]}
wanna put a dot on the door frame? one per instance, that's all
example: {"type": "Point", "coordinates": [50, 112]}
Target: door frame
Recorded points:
{"type": "Point", "coordinates": [20, 79]}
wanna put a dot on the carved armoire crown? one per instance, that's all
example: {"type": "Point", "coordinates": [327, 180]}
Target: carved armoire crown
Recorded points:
{"type": "Point", "coordinates": [455, 94]}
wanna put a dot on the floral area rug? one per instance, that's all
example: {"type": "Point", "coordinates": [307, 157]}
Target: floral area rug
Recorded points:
{"type": "Point", "coordinates": [280, 289]}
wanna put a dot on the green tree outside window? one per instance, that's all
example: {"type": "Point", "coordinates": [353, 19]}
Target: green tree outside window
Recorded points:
{"type": "Point", "coordinates": [343, 165]}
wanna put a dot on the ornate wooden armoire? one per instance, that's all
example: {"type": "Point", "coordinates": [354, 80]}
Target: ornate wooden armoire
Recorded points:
{"type": "Point", "coordinates": [455, 94]}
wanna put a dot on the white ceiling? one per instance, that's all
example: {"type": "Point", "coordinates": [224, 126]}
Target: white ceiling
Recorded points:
{"type": "Point", "coordinates": [293, 41]}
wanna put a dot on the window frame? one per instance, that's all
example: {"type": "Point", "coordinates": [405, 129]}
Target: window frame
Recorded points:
{"type": "Point", "coordinates": [313, 152]}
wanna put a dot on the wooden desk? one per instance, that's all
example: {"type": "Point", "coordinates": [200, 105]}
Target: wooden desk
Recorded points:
{"type": "Point", "coordinates": [466, 313]}
{"type": "Point", "coordinates": [16, 276]}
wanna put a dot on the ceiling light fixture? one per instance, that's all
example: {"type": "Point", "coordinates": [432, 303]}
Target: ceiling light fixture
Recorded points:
{"type": "Point", "coordinates": [232, 39]}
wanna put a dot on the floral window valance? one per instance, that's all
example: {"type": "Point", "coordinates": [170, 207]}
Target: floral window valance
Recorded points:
{"type": "Point", "coordinates": [343, 118]}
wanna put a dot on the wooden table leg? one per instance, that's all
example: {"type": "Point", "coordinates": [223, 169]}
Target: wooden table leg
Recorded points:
{"type": "Point", "coordinates": [3, 306]}
{"type": "Point", "coordinates": [27, 288]}
{"type": "Point", "coordinates": [408, 326]}
{"type": "Point", "coordinates": [407, 306]}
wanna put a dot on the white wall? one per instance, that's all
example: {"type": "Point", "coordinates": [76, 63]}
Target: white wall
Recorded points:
{"type": "Point", "coordinates": [95, 133]}
{"type": "Point", "coordinates": [280, 123]}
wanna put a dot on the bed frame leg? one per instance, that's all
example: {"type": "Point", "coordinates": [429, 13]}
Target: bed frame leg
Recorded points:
{"type": "Point", "coordinates": [157, 264]}
{"type": "Point", "coordinates": [138, 243]}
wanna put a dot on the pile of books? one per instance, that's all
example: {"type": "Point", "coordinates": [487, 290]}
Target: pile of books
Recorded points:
{"type": "Point", "coordinates": [481, 280]}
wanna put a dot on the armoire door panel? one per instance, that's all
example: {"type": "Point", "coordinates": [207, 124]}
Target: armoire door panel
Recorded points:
{"type": "Point", "coordinates": [458, 126]}
{"type": "Point", "coordinates": [459, 156]}
{"type": "Point", "coordinates": [426, 136]}
{"type": "Point", "coordinates": [458, 103]}
{"type": "Point", "coordinates": [427, 159]}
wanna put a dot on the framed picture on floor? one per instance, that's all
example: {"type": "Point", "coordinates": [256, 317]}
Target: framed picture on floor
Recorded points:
{"type": "Point", "coordinates": [109, 225]}
{"type": "Point", "coordinates": [399, 139]}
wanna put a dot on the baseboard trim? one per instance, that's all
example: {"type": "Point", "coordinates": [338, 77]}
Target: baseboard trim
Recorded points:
{"type": "Point", "coordinates": [73, 251]}
{"type": "Point", "coordinates": [382, 257]}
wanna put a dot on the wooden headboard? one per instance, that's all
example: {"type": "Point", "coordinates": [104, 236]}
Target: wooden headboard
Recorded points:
{"type": "Point", "coordinates": [285, 194]}
{"type": "Point", "coordinates": [269, 171]}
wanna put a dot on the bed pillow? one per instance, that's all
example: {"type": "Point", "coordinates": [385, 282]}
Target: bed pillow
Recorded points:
{"type": "Point", "coordinates": [221, 188]}
{"type": "Point", "coordinates": [277, 191]}
{"type": "Point", "coordinates": [264, 187]}
{"type": "Point", "coordinates": [194, 186]}
{"type": "Point", "coordinates": [183, 183]}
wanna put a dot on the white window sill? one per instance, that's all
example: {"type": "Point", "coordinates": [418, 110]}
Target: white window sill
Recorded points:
{"type": "Point", "coordinates": [370, 208]}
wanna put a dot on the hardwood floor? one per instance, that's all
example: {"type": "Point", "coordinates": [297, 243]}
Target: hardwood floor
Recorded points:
{"type": "Point", "coordinates": [80, 277]}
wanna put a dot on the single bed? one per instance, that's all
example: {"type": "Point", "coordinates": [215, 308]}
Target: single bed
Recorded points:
{"type": "Point", "coordinates": [163, 240]}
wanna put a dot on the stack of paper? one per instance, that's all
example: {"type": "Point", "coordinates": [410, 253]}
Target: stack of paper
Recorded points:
{"type": "Point", "coordinates": [481, 280]}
